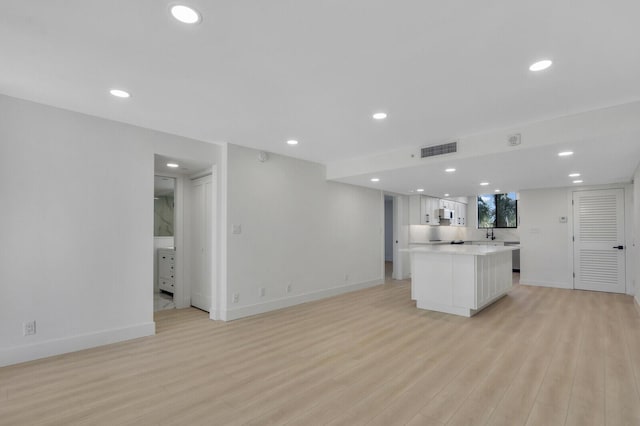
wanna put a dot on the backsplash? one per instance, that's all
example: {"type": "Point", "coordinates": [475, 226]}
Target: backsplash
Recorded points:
{"type": "Point", "coordinates": [426, 233]}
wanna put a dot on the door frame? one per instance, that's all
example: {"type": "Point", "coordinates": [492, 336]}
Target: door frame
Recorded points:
{"type": "Point", "coordinates": [181, 292]}
{"type": "Point", "coordinates": [628, 230]}
{"type": "Point", "coordinates": [214, 307]}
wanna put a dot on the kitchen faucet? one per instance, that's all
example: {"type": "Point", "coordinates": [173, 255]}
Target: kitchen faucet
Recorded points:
{"type": "Point", "coordinates": [493, 237]}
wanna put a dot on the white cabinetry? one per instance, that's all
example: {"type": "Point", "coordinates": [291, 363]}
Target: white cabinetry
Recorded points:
{"type": "Point", "coordinates": [460, 212]}
{"type": "Point", "coordinates": [423, 210]}
{"type": "Point", "coordinates": [167, 270]}
{"type": "Point", "coordinates": [459, 280]}
{"type": "Point", "coordinates": [431, 206]}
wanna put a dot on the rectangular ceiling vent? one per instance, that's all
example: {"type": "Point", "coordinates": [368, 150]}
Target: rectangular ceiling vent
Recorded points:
{"type": "Point", "coordinates": [445, 148]}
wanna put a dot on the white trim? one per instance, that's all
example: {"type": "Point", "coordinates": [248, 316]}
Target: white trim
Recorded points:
{"type": "Point", "coordinates": [568, 286]}
{"type": "Point", "coordinates": [74, 343]}
{"type": "Point", "coordinates": [213, 308]}
{"type": "Point", "coordinates": [259, 308]}
{"type": "Point", "coordinates": [219, 311]}
{"type": "Point", "coordinates": [382, 235]}
{"type": "Point", "coordinates": [637, 303]}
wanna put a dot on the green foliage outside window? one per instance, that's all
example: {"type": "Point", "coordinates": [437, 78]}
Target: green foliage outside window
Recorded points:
{"type": "Point", "coordinates": [498, 211]}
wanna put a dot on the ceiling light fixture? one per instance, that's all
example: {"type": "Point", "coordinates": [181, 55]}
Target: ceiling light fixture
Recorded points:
{"type": "Point", "coordinates": [540, 65]}
{"type": "Point", "coordinates": [446, 195]}
{"type": "Point", "coordinates": [380, 115]}
{"type": "Point", "coordinates": [375, 179]}
{"type": "Point", "coordinates": [450, 170]}
{"type": "Point", "coordinates": [292, 142]}
{"type": "Point", "coordinates": [496, 190]}
{"type": "Point", "coordinates": [577, 181]}
{"type": "Point", "coordinates": [118, 93]}
{"type": "Point", "coordinates": [565, 153]}
{"type": "Point", "coordinates": [185, 14]}
{"type": "Point", "coordinates": [172, 165]}
{"type": "Point", "coordinates": [574, 175]}
{"type": "Point", "coordinates": [484, 183]}
{"type": "Point", "coordinates": [420, 190]}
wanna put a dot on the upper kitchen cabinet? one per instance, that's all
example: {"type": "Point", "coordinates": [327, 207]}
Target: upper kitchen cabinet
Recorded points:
{"type": "Point", "coordinates": [460, 212]}
{"type": "Point", "coordinates": [423, 210]}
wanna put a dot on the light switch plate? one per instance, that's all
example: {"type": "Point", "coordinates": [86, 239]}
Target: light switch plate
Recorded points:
{"type": "Point", "coordinates": [236, 229]}
{"type": "Point", "coordinates": [563, 219]}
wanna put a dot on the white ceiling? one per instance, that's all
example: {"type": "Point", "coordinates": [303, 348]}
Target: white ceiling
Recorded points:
{"type": "Point", "coordinates": [257, 73]}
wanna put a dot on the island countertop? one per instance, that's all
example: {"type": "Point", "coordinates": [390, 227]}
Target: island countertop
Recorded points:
{"type": "Point", "coordinates": [461, 249]}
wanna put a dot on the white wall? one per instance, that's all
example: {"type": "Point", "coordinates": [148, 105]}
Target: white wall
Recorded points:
{"type": "Point", "coordinates": [77, 228]}
{"type": "Point", "coordinates": [298, 229]}
{"type": "Point", "coordinates": [546, 254]}
{"type": "Point", "coordinates": [545, 242]}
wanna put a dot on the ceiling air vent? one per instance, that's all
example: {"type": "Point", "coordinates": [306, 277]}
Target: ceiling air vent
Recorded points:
{"type": "Point", "coordinates": [445, 148]}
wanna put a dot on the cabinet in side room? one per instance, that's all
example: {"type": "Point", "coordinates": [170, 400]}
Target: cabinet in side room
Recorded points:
{"type": "Point", "coordinates": [166, 270]}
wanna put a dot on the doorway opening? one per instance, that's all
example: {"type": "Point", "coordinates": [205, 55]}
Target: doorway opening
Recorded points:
{"type": "Point", "coordinates": [164, 188]}
{"type": "Point", "coordinates": [185, 226]}
{"type": "Point", "coordinates": [388, 237]}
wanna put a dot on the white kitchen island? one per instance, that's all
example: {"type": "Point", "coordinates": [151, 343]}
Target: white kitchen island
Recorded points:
{"type": "Point", "coordinates": [459, 279]}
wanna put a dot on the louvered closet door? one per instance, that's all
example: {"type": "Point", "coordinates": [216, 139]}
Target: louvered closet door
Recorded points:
{"type": "Point", "coordinates": [598, 218]}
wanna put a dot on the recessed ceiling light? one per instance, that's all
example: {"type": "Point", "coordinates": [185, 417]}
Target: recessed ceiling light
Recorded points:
{"type": "Point", "coordinates": [450, 170]}
{"type": "Point", "coordinates": [292, 142]}
{"type": "Point", "coordinates": [565, 153]}
{"type": "Point", "coordinates": [420, 190]}
{"type": "Point", "coordinates": [540, 65]}
{"type": "Point", "coordinates": [574, 175]}
{"type": "Point", "coordinates": [577, 181]}
{"type": "Point", "coordinates": [375, 179]}
{"type": "Point", "coordinates": [185, 14]}
{"type": "Point", "coordinates": [484, 183]}
{"type": "Point", "coordinates": [496, 190]}
{"type": "Point", "coordinates": [118, 93]}
{"type": "Point", "coordinates": [172, 165]}
{"type": "Point", "coordinates": [380, 115]}
{"type": "Point", "coordinates": [446, 195]}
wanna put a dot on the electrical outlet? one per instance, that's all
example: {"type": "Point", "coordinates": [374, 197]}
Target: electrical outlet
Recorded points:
{"type": "Point", "coordinates": [236, 297]}
{"type": "Point", "coordinates": [29, 328]}
{"type": "Point", "coordinates": [262, 291]}
{"type": "Point", "coordinates": [289, 288]}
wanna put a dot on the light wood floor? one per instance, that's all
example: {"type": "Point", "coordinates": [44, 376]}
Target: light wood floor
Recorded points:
{"type": "Point", "coordinates": [537, 357]}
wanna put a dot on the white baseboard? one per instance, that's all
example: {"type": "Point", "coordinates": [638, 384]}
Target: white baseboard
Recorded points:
{"type": "Point", "coordinates": [260, 308]}
{"type": "Point", "coordinates": [545, 284]}
{"type": "Point", "coordinates": [64, 345]}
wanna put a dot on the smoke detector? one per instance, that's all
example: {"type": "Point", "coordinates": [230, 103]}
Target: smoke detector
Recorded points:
{"type": "Point", "coordinates": [515, 139]}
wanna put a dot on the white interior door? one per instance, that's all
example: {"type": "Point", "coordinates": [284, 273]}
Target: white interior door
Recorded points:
{"type": "Point", "coordinates": [598, 248]}
{"type": "Point", "coordinates": [201, 219]}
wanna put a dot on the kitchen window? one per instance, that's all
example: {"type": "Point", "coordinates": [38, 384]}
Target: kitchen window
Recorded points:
{"type": "Point", "coordinates": [498, 210]}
